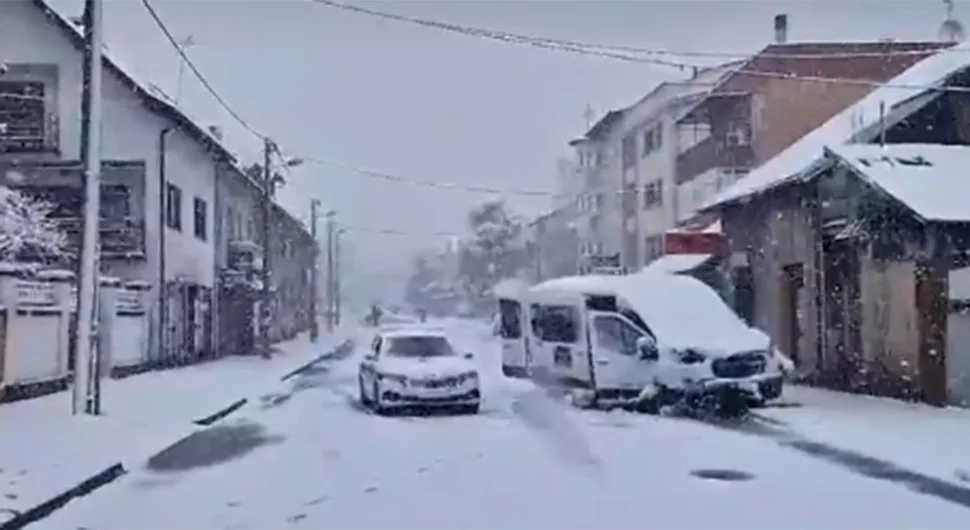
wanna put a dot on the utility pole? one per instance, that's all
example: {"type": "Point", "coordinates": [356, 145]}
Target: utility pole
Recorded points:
{"type": "Point", "coordinates": [88, 277]}
{"type": "Point", "coordinates": [314, 289]}
{"type": "Point", "coordinates": [330, 271]}
{"type": "Point", "coordinates": [336, 277]}
{"type": "Point", "coordinates": [266, 295]}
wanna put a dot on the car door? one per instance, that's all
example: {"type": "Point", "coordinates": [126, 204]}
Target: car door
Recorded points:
{"type": "Point", "coordinates": [617, 360]}
{"type": "Point", "coordinates": [368, 364]}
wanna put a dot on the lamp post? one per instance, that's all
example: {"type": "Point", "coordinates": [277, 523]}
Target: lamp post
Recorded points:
{"type": "Point", "coordinates": [270, 181]}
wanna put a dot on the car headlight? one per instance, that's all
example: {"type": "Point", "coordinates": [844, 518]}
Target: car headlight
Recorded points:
{"type": "Point", "coordinates": [395, 378]}
{"type": "Point", "coordinates": [690, 356]}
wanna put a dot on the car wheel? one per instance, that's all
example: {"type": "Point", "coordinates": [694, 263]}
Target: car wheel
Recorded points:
{"type": "Point", "coordinates": [364, 400]}
{"type": "Point", "coordinates": [376, 402]}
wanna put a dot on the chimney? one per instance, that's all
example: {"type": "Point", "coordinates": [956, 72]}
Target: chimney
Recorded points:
{"type": "Point", "coordinates": [781, 29]}
{"type": "Point", "coordinates": [216, 132]}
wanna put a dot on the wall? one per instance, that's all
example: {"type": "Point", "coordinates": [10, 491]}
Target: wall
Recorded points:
{"type": "Point", "coordinates": [773, 233]}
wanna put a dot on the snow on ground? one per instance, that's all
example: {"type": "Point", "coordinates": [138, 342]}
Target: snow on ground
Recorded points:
{"type": "Point", "coordinates": [922, 438]}
{"type": "Point", "coordinates": [44, 450]}
{"type": "Point", "coordinates": [318, 461]}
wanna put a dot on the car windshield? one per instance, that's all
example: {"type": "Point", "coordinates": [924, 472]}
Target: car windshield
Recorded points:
{"type": "Point", "coordinates": [419, 347]}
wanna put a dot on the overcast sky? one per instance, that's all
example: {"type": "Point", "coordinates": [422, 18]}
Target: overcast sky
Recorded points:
{"type": "Point", "coordinates": [427, 105]}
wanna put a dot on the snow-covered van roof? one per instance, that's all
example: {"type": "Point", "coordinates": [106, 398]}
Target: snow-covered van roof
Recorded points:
{"type": "Point", "coordinates": [676, 263]}
{"type": "Point", "coordinates": [929, 179]}
{"type": "Point", "coordinates": [586, 284]}
{"type": "Point", "coordinates": [510, 288]}
{"type": "Point", "coordinates": [920, 78]}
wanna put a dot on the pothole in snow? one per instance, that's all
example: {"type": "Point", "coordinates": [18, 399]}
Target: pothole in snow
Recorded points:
{"type": "Point", "coordinates": [723, 475]}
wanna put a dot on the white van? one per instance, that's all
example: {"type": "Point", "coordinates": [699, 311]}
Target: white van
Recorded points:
{"type": "Point", "coordinates": [626, 337]}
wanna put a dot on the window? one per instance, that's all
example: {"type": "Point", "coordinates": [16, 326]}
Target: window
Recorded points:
{"type": "Point", "coordinates": [510, 313]}
{"type": "Point", "coordinates": [199, 214]}
{"type": "Point", "coordinates": [653, 194]}
{"type": "Point", "coordinates": [22, 117]}
{"type": "Point", "coordinates": [555, 323]}
{"type": "Point", "coordinates": [173, 206]}
{"type": "Point", "coordinates": [419, 346]}
{"type": "Point", "coordinates": [652, 139]}
{"type": "Point", "coordinates": [615, 335]}
{"type": "Point", "coordinates": [231, 220]}
{"type": "Point", "coordinates": [628, 150]}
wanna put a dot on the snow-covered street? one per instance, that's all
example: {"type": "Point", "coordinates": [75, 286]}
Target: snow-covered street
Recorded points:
{"type": "Point", "coordinates": [309, 457]}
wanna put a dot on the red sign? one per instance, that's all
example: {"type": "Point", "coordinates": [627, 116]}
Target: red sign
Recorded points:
{"type": "Point", "coordinates": [694, 243]}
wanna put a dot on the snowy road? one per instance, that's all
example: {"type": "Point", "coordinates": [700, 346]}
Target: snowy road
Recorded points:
{"type": "Point", "coordinates": [310, 458]}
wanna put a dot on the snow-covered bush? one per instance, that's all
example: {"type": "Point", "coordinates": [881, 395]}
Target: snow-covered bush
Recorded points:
{"type": "Point", "coordinates": [494, 251]}
{"type": "Point", "coordinates": [25, 226]}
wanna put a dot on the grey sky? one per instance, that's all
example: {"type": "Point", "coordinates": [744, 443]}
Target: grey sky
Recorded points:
{"type": "Point", "coordinates": [434, 106]}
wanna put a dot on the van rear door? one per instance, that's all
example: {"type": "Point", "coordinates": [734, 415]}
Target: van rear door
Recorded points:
{"type": "Point", "coordinates": [512, 322]}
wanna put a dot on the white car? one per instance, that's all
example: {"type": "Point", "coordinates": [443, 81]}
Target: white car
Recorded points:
{"type": "Point", "coordinates": [415, 367]}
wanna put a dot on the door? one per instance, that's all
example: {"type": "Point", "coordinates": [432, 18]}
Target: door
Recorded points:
{"type": "Point", "coordinates": [791, 288]}
{"type": "Point", "coordinates": [557, 344]}
{"type": "Point", "coordinates": [514, 352]}
{"type": "Point", "coordinates": [616, 359]}
{"type": "Point", "coordinates": [367, 371]}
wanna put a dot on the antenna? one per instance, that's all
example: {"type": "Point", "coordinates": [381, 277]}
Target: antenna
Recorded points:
{"type": "Point", "coordinates": [589, 115]}
{"type": "Point", "coordinates": [951, 30]}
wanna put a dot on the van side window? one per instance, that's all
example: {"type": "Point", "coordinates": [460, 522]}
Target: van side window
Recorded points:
{"type": "Point", "coordinates": [635, 318]}
{"type": "Point", "coordinates": [615, 335]}
{"type": "Point", "coordinates": [536, 311]}
{"type": "Point", "coordinates": [510, 314]}
{"type": "Point", "coordinates": [558, 323]}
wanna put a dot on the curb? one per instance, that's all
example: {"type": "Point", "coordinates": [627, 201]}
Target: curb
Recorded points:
{"type": "Point", "coordinates": [339, 351]}
{"type": "Point", "coordinates": [220, 414]}
{"type": "Point", "coordinates": [51, 505]}
{"type": "Point", "coordinates": [112, 473]}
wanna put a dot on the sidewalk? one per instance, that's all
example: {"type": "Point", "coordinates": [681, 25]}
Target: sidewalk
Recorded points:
{"type": "Point", "coordinates": [44, 450]}
{"type": "Point", "coordinates": [925, 439]}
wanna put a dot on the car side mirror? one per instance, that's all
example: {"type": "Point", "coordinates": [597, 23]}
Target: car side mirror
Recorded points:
{"type": "Point", "coordinates": [469, 355]}
{"type": "Point", "coordinates": [648, 349]}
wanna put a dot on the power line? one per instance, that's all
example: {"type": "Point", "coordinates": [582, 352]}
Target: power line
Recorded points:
{"type": "Point", "coordinates": [202, 79]}
{"type": "Point", "coordinates": [390, 232]}
{"type": "Point", "coordinates": [446, 26]}
{"type": "Point", "coordinates": [601, 50]}
{"type": "Point", "coordinates": [378, 175]}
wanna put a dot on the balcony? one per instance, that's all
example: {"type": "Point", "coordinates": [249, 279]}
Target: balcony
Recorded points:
{"type": "Point", "coordinates": [120, 238]}
{"type": "Point", "coordinates": [711, 153]}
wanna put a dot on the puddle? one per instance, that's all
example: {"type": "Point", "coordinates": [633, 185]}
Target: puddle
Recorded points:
{"type": "Point", "coordinates": [723, 475]}
{"type": "Point", "coordinates": [212, 446]}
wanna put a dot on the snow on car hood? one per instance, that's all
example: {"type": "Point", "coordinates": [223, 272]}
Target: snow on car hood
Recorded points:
{"type": "Point", "coordinates": [686, 313]}
{"type": "Point", "coordinates": [425, 367]}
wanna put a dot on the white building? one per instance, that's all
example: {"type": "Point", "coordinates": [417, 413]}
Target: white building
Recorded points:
{"type": "Point", "coordinates": [151, 150]}
{"type": "Point", "coordinates": [650, 142]}
{"type": "Point", "coordinates": [599, 221]}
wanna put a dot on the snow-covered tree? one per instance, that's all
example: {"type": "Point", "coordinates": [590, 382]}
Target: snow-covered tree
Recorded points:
{"type": "Point", "coordinates": [25, 226]}
{"type": "Point", "coordinates": [429, 287]}
{"type": "Point", "coordinates": [494, 251]}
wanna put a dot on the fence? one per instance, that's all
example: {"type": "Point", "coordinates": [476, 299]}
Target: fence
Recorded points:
{"type": "Point", "coordinates": [37, 317]}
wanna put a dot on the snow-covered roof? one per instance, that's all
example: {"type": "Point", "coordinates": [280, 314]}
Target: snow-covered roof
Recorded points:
{"type": "Point", "coordinates": [675, 263]}
{"type": "Point", "coordinates": [930, 179]}
{"type": "Point", "coordinates": [413, 330]}
{"type": "Point", "coordinates": [932, 71]}
{"type": "Point", "coordinates": [154, 100]}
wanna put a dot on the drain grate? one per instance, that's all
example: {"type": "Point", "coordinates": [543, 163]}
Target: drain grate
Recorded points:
{"type": "Point", "coordinates": [725, 475]}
